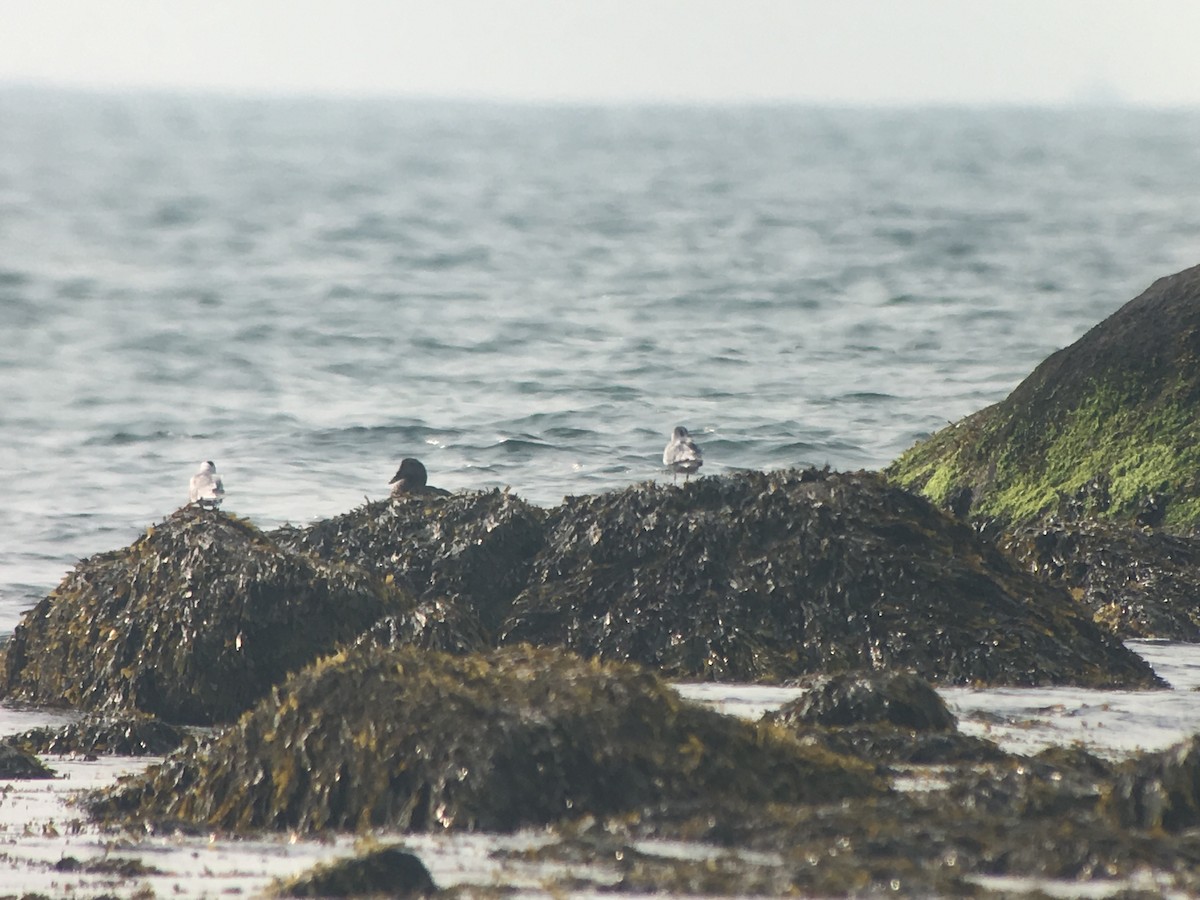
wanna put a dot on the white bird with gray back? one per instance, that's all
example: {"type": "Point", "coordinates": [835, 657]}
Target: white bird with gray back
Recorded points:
{"type": "Point", "coordinates": [206, 488]}
{"type": "Point", "coordinates": [682, 454]}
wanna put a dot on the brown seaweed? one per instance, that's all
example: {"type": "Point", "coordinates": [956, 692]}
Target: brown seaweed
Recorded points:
{"type": "Point", "coordinates": [764, 577]}
{"type": "Point", "coordinates": [193, 622]}
{"type": "Point", "coordinates": [425, 741]}
{"type": "Point", "coordinates": [471, 549]}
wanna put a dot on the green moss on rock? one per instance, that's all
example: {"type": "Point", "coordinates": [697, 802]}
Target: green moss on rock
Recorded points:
{"type": "Point", "coordinates": [765, 577]}
{"type": "Point", "coordinates": [1119, 405]}
{"type": "Point", "coordinates": [425, 741]}
{"type": "Point", "coordinates": [193, 622]}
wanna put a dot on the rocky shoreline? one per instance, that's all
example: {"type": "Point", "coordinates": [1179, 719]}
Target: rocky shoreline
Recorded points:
{"type": "Point", "coordinates": [471, 662]}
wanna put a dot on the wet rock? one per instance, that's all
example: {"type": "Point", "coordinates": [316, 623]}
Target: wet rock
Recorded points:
{"type": "Point", "coordinates": [16, 762]}
{"type": "Point", "coordinates": [1118, 406]}
{"type": "Point", "coordinates": [763, 577]}
{"type": "Point", "coordinates": [425, 741]}
{"type": "Point", "coordinates": [900, 699]}
{"type": "Point", "coordinates": [1137, 583]}
{"type": "Point", "coordinates": [96, 735]}
{"type": "Point", "coordinates": [471, 548]}
{"type": "Point", "coordinates": [385, 872]}
{"type": "Point", "coordinates": [193, 622]}
{"type": "Point", "coordinates": [1159, 790]}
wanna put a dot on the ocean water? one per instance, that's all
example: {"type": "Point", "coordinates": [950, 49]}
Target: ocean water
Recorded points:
{"type": "Point", "coordinates": [305, 291]}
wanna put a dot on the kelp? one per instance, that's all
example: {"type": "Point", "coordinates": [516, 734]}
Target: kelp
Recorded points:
{"type": "Point", "coordinates": [767, 576]}
{"type": "Point", "coordinates": [900, 699]}
{"type": "Point", "coordinates": [193, 622]}
{"type": "Point", "coordinates": [381, 872]}
{"type": "Point", "coordinates": [120, 734]}
{"type": "Point", "coordinates": [1137, 582]}
{"type": "Point", "coordinates": [425, 741]}
{"type": "Point", "coordinates": [472, 549]}
{"type": "Point", "coordinates": [890, 719]}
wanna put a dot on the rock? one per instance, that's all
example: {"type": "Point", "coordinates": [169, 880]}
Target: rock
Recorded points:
{"type": "Point", "coordinates": [385, 872]}
{"type": "Point", "coordinates": [1117, 406]}
{"type": "Point", "coordinates": [763, 577]}
{"type": "Point", "coordinates": [16, 762]}
{"type": "Point", "coordinates": [1159, 790]}
{"type": "Point", "coordinates": [424, 741]}
{"type": "Point", "coordinates": [900, 699]}
{"type": "Point", "coordinates": [128, 734]}
{"type": "Point", "coordinates": [193, 622]}
{"type": "Point", "coordinates": [471, 548]}
{"type": "Point", "coordinates": [1137, 583]}
{"type": "Point", "coordinates": [885, 718]}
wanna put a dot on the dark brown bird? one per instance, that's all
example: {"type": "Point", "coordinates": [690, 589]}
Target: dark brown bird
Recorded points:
{"type": "Point", "coordinates": [411, 478]}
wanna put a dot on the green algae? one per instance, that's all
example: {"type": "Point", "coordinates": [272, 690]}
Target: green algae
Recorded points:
{"type": "Point", "coordinates": [1118, 405]}
{"type": "Point", "coordinates": [425, 741]}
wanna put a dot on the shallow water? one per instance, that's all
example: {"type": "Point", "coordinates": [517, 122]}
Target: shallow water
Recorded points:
{"type": "Point", "coordinates": [306, 291]}
{"type": "Point", "coordinates": [38, 826]}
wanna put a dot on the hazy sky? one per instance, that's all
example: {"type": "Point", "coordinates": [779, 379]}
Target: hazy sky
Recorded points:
{"type": "Point", "coordinates": [831, 51]}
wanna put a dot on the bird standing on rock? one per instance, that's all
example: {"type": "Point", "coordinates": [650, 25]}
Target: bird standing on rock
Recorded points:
{"type": "Point", "coordinates": [206, 489]}
{"type": "Point", "coordinates": [682, 454]}
{"type": "Point", "coordinates": [410, 478]}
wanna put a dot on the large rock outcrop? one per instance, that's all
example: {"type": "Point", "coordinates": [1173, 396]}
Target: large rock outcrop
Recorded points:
{"type": "Point", "coordinates": [193, 622]}
{"type": "Point", "coordinates": [767, 576]}
{"type": "Point", "coordinates": [425, 741]}
{"type": "Point", "coordinates": [1118, 406]}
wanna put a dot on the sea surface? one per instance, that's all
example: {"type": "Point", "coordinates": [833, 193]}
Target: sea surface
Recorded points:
{"type": "Point", "coordinates": [307, 290]}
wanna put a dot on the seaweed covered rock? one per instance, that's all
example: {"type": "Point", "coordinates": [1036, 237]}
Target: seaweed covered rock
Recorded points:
{"type": "Point", "coordinates": [17, 762]}
{"type": "Point", "coordinates": [864, 698]}
{"type": "Point", "coordinates": [887, 718]}
{"type": "Point", "coordinates": [426, 741]}
{"type": "Point", "coordinates": [472, 548]}
{"type": "Point", "coordinates": [193, 622]}
{"type": "Point", "coordinates": [1159, 790]}
{"type": "Point", "coordinates": [122, 734]}
{"type": "Point", "coordinates": [435, 623]}
{"type": "Point", "coordinates": [1138, 582]}
{"type": "Point", "coordinates": [383, 872]}
{"type": "Point", "coordinates": [1118, 405]}
{"type": "Point", "coordinates": [768, 576]}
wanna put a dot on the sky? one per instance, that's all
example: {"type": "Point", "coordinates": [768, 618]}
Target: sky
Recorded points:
{"type": "Point", "coordinates": [839, 52]}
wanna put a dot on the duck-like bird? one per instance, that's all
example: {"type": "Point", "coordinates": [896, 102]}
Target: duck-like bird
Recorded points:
{"type": "Point", "coordinates": [682, 454]}
{"type": "Point", "coordinates": [206, 488]}
{"type": "Point", "coordinates": [411, 478]}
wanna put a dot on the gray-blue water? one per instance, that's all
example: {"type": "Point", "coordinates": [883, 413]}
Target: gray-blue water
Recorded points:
{"type": "Point", "coordinates": [306, 291]}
